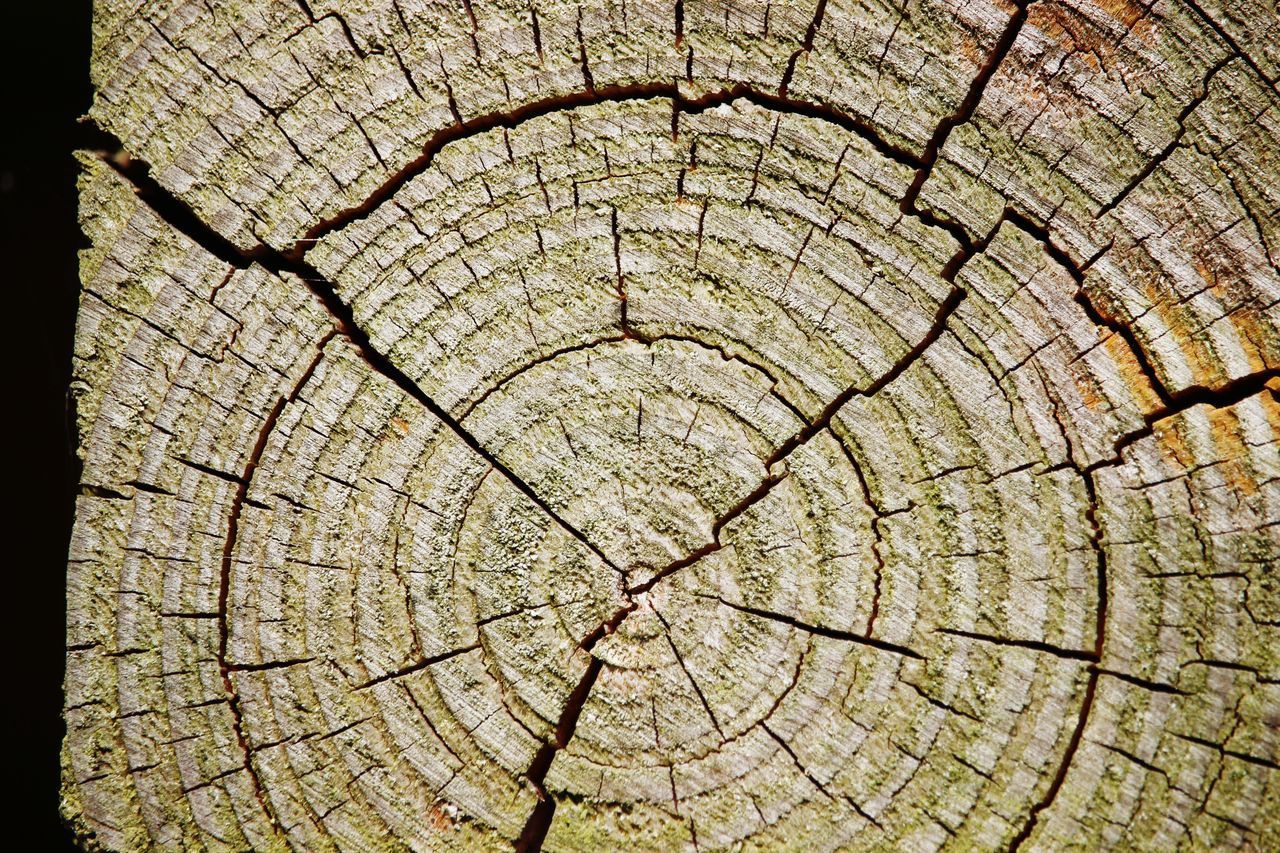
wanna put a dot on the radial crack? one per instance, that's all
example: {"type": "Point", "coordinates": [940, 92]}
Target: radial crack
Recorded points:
{"type": "Point", "coordinates": [535, 828]}
{"type": "Point", "coordinates": [968, 106]}
{"type": "Point", "coordinates": [1167, 152]}
{"type": "Point", "coordinates": [786, 747]}
{"type": "Point", "coordinates": [801, 437]}
{"type": "Point", "coordinates": [818, 630]}
{"type": "Point", "coordinates": [945, 310]}
{"type": "Point", "coordinates": [183, 219]}
{"type": "Point", "coordinates": [1172, 403]}
{"type": "Point", "coordinates": [1034, 645]}
{"type": "Point", "coordinates": [692, 681]}
{"type": "Point", "coordinates": [751, 499]}
{"type": "Point", "coordinates": [1100, 640]}
{"type": "Point", "coordinates": [417, 666]}
{"type": "Point", "coordinates": [805, 47]}
{"type": "Point", "coordinates": [1230, 393]}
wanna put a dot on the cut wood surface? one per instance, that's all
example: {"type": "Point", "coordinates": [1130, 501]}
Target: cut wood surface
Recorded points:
{"type": "Point", "coordinates": [649, 425]}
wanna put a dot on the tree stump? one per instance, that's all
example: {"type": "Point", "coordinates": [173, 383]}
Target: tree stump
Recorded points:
{"type": "Point", "coordinates": [657, 425]}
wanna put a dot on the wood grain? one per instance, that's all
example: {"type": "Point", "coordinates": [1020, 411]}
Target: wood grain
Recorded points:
{"type": "Point", "coordinates": [754, 425]}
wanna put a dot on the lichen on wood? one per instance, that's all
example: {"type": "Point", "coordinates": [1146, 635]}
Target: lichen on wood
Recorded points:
{"type": "Point", "coordinates": [663, 425]}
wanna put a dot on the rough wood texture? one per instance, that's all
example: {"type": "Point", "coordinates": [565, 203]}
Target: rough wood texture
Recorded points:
{"type": "Point", "coordinates": [644, 425]}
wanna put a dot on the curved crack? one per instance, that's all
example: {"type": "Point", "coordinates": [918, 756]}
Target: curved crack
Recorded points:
{"type": "Point", "coordinates": [225, 668]}
{"type": "Point", "coordinates": [591, 96]}
{"type": "Point", "coordinates": [1100, 637]}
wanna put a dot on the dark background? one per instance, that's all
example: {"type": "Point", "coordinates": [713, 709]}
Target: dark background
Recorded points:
{"type": "Point", "coordinates": [46, 86]}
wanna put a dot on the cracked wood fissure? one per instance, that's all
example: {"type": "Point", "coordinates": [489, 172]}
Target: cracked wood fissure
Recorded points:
{"type": "Point", "coordinates": [880, 403]}
{"type": "Point", "coordinates": [224, 580]}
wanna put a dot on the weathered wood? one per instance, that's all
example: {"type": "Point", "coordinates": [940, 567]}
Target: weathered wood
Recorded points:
{"type": "Point", "coordinates": [660, 425]}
